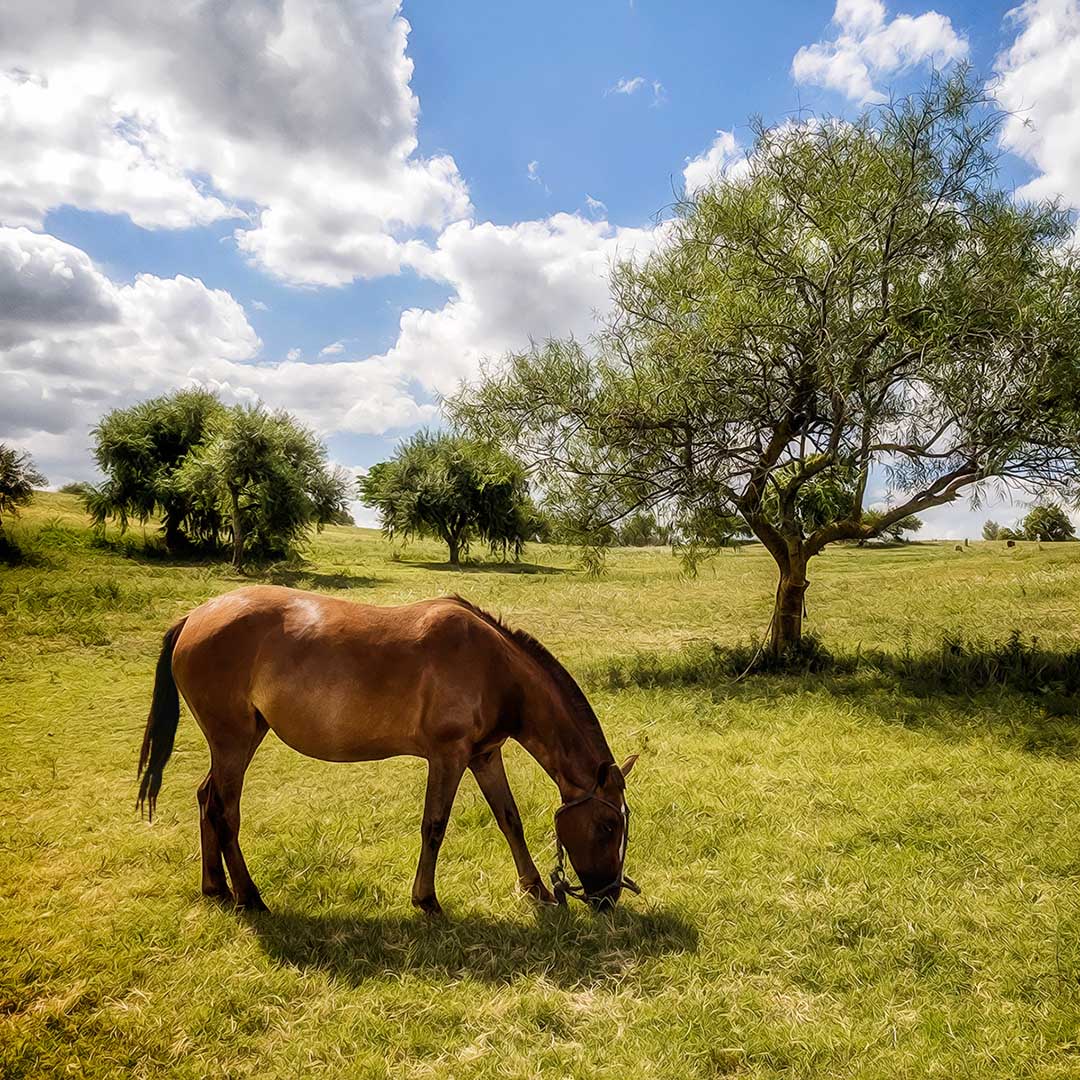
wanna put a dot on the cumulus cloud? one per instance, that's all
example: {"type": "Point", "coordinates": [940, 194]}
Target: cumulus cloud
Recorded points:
{"type": "Point", "coordinates": [724, 157]}
{"type": "Point", "coordinates": [868, 46]}
{"type": "Point", "coordinates": [297, 120]}
{"type": "Point", "coordinates": [1039, 88]}
{"type": "Point", "coordinates": [74, 343]}
{"type": "Point", "coordinates": [533, 279]}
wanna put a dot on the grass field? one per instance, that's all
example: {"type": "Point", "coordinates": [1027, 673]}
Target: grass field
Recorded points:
{"type": "Point", "coordinates": [864, 872]}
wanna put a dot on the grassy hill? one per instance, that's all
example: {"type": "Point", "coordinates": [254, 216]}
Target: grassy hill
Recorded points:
{"type": "Point", "coordinates": [868, 870]}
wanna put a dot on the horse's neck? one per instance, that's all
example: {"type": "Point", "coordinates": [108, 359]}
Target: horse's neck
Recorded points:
{"type": "Point", "coordinates": [569, 751]}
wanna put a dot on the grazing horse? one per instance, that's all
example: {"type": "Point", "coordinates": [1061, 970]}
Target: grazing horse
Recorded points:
{"type": "Point", "coordinates": [440, 679]}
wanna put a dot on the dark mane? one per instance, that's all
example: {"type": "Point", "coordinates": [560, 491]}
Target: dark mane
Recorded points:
{"type": "Point", "coordinates": [575, 697]}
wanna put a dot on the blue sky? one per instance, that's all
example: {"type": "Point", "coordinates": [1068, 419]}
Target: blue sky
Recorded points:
{"type": "Point", "coordinates": [341, 213]}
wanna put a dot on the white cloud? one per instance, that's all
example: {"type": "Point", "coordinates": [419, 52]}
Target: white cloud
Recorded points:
{"type": "Point", "coordinates": [176, 113]}
{"type": "Point", "coordinates": [1039, 87]}
{"type": "Point", "coordinates": [333, 349]}
{"type": "Point", "coordinates": [867, 47]}
{"type": "Point", "coordinates": [293, 355]}
{"type": "Point", "coordinates": [533, 279]}
{"type": "Point", "coordinates": [634, 84]}
{"type": "Point", "coordinates": [627, 86]}
{"type": "Point", "coordinates": [533, 170]}
{"type": "Point", "coordinates": [595, 206]}
{"type": "Point", "coordinates": [724, 157]}
{"type": "Point", "coordinates": [74, 344]}
{"type": "Point", "coordinates": [258, 305]}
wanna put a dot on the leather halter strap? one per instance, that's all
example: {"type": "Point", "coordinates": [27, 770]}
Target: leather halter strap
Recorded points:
{"type": "Point", "coordinates": [560, 883]}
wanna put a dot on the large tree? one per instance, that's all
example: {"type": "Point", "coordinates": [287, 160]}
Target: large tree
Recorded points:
{"type": "Point", "coordinates": [266, 476]}
{"type": "Point", "coordinates": [861, 301]}
{"type": "Point", "coordinates": [455, 490]}
{"type": "Point", "coordinates": [18, 478]}
{"type": "Point", "coordinates": [140, 449]}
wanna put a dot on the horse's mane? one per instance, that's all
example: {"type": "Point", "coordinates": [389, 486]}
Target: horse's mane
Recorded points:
{"type": "Point", "coordinates": [575, 697]}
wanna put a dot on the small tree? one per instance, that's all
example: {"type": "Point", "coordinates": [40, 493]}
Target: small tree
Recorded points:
{"type": "Point", "coordinates": [267, 476]}
{"type": "Point", "coordinates": [1048, 522]}
{"type": "Point", "coordinates": [862, 300]}
{"type": "Point", "coordinates": [18, 478]}
{"type": "Point", "coordinates": [894, 531]}
{"type": "Point", "coordinates": [454, 489]}
{"type": "Point", "coordinates": [991, 530]}
{"type": "Point", "coordinates": [140, 450]}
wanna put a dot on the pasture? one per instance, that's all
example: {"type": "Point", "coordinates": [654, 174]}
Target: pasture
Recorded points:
{"type": "Point", "coordinates": [868, 870]}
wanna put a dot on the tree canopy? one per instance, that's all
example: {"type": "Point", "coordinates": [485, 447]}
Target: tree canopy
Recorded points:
{"type": "Point", "coordinates": [860, 304]}
{"type": "Point", "coordinates": [18, 478]}
{"type": "Point", "coordinates": [140, 449]}
{"type": "Point", "coordinates": [455, 490]}
{"type": "Point", "coordinates": [213, 472]}
{"type": "Point", "coordinates": [266, 476]}
{"type": "Point", "coordinates": [1048, 522]}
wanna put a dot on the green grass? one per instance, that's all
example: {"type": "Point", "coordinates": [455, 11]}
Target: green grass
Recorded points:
{"type": "Point", "coordinates": [868, 869]}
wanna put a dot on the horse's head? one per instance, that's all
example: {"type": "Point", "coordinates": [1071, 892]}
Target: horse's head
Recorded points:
{"type": "Point", "coordinates": [594, 830]}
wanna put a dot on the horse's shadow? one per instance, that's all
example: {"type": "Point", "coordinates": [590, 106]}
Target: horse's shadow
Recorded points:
{"type": "Point", "coordinates": [569, 947]}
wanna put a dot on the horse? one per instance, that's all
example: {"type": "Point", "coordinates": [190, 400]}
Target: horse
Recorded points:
{"type": "Point", "coordinates": [440, 679]}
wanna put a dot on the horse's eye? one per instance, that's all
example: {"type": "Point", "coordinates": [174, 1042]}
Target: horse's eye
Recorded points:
{"type": "Point", "coordinates": [607, 828]}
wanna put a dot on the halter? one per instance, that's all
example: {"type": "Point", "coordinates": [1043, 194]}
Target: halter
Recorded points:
{"type": "Point", "coordinates": [560, 883]}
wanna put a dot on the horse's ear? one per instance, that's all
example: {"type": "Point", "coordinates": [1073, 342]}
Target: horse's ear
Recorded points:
{"type": "Point", "coordinates": [628, 764]}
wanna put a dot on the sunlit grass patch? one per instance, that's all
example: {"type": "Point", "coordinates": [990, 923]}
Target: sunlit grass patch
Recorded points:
{"type": "Point", "coordinates": [867, 866]}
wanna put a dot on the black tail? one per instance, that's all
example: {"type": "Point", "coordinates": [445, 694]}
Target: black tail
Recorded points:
{"type": "Point", "coordinates": [161, 724]}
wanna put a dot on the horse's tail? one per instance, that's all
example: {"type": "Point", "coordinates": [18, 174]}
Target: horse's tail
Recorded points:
{"type": "Point", "coordinates": [161, 724]}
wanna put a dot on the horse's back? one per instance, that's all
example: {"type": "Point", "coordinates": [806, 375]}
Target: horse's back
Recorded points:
{"type": "Point", "coordinates": [337, 679]}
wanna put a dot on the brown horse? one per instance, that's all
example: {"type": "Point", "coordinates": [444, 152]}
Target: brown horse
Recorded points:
{"type": "Point", "coordinates": [440, 679]}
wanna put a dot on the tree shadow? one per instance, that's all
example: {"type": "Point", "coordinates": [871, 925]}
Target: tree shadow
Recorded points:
{"type": "Point", "coordinates": [299, 578]}
{"type": "Point", "coordinates": [569, 947]}
{"type": "Point", "coordinates": [1012, 689]}
{"type": "Point", "coordinates": [489, 568]}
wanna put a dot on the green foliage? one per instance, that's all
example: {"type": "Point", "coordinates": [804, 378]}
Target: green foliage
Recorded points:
{"type": "Point", "coordinates": [1048, 522]}
{"type": "Point", "coordinates": [454, 489]}
{"type": "Point", "coordinates": [641, 529]}
{"type": "Point", "coordinates": [267, 476]}
{"type": "Point", "coordinates": [210, 471]}
{"type": "Point", "coordinates": [76, 487]}
{"type": "Point", "coordinates": [140, 450]}
{"type": "Point", "coordinates": [991, 530]}
{"type": "Point", "coordinates": [863, 297]}
{"type": "Point", "coordinates": [892, 531]}
{"type": "Point", "coordinates": [18, 478]}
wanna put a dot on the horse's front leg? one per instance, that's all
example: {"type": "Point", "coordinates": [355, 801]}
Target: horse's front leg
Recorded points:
{"type": "Point", "coordinates": [491, 776]}
{"type": "Point", "coordinates": [444, 776]}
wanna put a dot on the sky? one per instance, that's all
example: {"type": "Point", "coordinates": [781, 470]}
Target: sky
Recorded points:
{"type": "Point", "coordinates": [342, 208]}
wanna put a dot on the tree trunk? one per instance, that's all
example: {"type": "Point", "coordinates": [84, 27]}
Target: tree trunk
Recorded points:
{"type": "Point", "coordinates": [455, 548]}
{"type": "Point", "coordinates": [788, 613]}
{"type": "Point", "coordinates": [175, 540]}
{"type": "Point", "coordinates": [238, 533]}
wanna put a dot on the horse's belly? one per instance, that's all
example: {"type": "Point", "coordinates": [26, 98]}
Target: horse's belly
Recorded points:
{"type": "Point", "coordinates": [335, 727]}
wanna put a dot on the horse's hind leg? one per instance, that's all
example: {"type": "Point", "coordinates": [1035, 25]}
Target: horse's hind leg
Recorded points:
{"type": "Point", "coordinates": [213, 870]}
{"type": "Point", "coordinates": [491, 776]}
{"type": "Point", "coordinates": [227, 767]}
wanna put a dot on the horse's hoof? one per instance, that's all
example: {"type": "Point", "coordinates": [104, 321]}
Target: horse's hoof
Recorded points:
{"type": "Point", "coordinates": [251, 903]}
{"type": "Point", "coordinates": [539, 892]}
{"type": "Point", "coordinates": [216, 892]}
{"type": "Point", "coordinates": [429, 906]}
